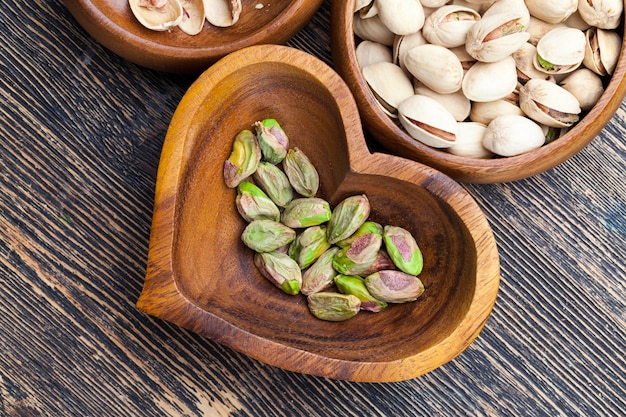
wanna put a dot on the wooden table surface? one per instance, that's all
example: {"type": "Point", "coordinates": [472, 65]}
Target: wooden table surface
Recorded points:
{"type": "Point", "coordinates": [81, 134]}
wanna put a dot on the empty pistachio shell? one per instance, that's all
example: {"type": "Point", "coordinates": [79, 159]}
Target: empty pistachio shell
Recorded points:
{"type": "Point", "coordinates": [222, 13]}
{"type": "Point", "coordinates": [274, 182]}
{"type": "Point", "coordinates": [253, 204]}
{"type": "Point", "coordinates": [355, 285]}
{"type": "Point", "coordinates": [394, 286]}
{"type": "Point", "coordinates": [243, 160]}
{"type": "Point", "coordinates": [347, 217]}
{"type": "Point", "coordinates": [512, 135]}
{"type": "Point", "coordinates": [401, 16]}
{"type": "Point", "coordinates": [309, 245]}
{"type": "Point", "coordinates": [267, 235]}
{"type": "Point", "coordinates": [280, 270]}
{"type": "Point", "coordinates": [272, 139]}
{"type": "Point", "coordinates": [604, 14]}
{"type": "Point", "coordinates": [157, 15]}
{"type": "Point", "coordinates": [306, 212]}
{"type": "Point", "coordinates": [602, 50]}
{"type": "Point", "coordinates": [193, 16]}
{"type": "Point", "coordinates": [301, 173]}
{"type": "Point", "coordinates": [403, 249]}
{"type": "Point", "coordinates": [321, 274]}
{"type": "Point", "coordinates": [332, 306]}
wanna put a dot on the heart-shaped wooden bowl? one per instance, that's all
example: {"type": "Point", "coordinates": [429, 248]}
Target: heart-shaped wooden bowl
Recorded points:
{"type": "Point", "coordinates": [395, 139]}
{"type": "Point", "coordinates": [201, 276]}
{"type": "Point", "coordinates": [112, 23]}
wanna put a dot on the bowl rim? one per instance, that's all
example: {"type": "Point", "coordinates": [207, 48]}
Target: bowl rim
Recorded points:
{"type": "Point", "coordinates": [161, 297]}
{"type": "Point", "coordinates": [466, 169]}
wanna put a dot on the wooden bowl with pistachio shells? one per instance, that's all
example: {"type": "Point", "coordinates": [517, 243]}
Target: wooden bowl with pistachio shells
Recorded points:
{"type": "Point", "coordinates": [395, 139]}
{"type": "Point", "coordinates": [201, 276]}
{"type": "Point", "coordinates": [113, 24]}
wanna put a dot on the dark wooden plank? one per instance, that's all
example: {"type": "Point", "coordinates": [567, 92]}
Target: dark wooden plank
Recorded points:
{"type": "Point", "coordinates": [81, 131]}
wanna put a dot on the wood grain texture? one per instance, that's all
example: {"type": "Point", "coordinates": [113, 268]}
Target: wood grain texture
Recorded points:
{"type": "Point", "coordinates": [81, 132]}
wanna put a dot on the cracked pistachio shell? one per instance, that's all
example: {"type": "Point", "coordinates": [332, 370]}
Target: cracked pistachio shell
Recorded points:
{"type": "Point", "coordinates": [222, 13]}
{"type": "Point", "coordinates": [585, 85]}
{"type": "Point", "coordinates": [490, 81]}
{"type": "Point", "coordinates": [193, 16]}
{"type": "Point", "coordinates": [394, 286]}
{"type": "Point", "coordinates": [496, 37]}
{"type": "Point", "coordinates": [602, 49]}
{"type": "Point", "coordinates": [448, 25]}
{"type": "Point", "coordinates": [274, 182]}
{"type": "Point", "coordinates": [553, 11]}
{"type": "Point", "coordinates": [403, 250]}
{"type": "Point", "coordinates": [243, 160]}
{"type": "Point", "coordinates": [319, 276]}
{"type": "Point", "coordinates": [358, 258]}
{"type": "Point", "coordinates": [365, 8]}
{"type": "Point", "coordinates": [347, 217]}
{"type": "Point", "coordinates": [389, 84]}
{"type": "Point", "coordinates": [549, 104]}
{"type": "Point", "coordinates": [280, 270]}
{"type": "Point", "coordinates": [253, 204]}
{"type": "Point", "coordinates": [512, 135]}
{"type": "Point", "coordinates": [368, 53]}
{"type": "Point", "coordinates": [469, 141]}
{"type": "Point", "coordinates": [404, 43]}
{"type": "Point", "coordinates": [372, 29]}
{"type": "Point", "coordinates": [401, 17]}
{"type": "Point", "coordinates": [157, 15]}
{"type": "Point", "coordinates": [428, 121]}
{"type": "Point", "coordinates": [355, 285]}
{"type": "Point", "coordinates": [525, 63]}
{"type": "Point", "coordinates": [560, 51]}
{"type": "Point", "coordinates": [331, 306]}
{"type": "Point", "coordinates": [456, 103]}
{"type": "Point", "coordinates": [309, 245]}
{"type": "Point", "coordinates": [604, 14]}
{"type": "Point", "coordinates": [306, 212]}
{"type": "Point", "coordinates": [267, 235]}
{"type": "Point", "coordinates": [301, 172]}
{"type": "Point", "coordinates": [272, 139]}
{"type": "Point", "coordinates": [436, 67]}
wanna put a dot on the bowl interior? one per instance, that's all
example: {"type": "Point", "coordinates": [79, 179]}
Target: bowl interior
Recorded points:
{"type": "Point", "coordinates": [395, 140]}
{"type": "Point", "coordinates": [197, 244]}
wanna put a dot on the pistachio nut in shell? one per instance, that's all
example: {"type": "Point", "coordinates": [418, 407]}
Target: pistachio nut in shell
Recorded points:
{"type": "Point", "coordinates": [508, 6]}
{"type": "Point", "coordinates": [404, 43]}
{"type": "Point", "coordinates": [585, 85]}
{"type": "Point", "coordinates": [604, 14]}
{"type": "Point", "coordinates": [301, 172]}
{"type": "Point", "coordinates": [458, 105]}
{"type": "Point", "coordinates": [372, 29]}
{"type": "Point", "coordinates": [403, 249]}
{"type": "Point", "coordinates": [222, 13]}
{"type": "Point", "coordinates": [389, 84]}
{"type": "Point", "coordinates": [485, 112]}
{"type": "Point", "coordinates": [394, 286]}
{"type": "Point", "coordinates": [320, 276]}
{"type": "Point", "coordinates": [272, 139]}
{"type": "Point", "coordinates": [538, 28]}
{"type": "Point", "coordinates": [602, 50]}
{"type": "Point", "coordinates": [368, 52]}
{"type": "Point", "coordinates": [560, 51]}
{"type": "Point", "coordinates": [157, 15]}
{"type": "Point", "coordinates": [347, 217]}
{"type": "Point", "coordinates": [525, 64]}
{"type": "Point", "coordinates": [306, 212]}
{"type": "Point", "coordinates": [490, 81]}
{"type": "Point", "coordinates": [448, 25]}
{"type": "Point", "coordinates": [427, 121]}
{"type": "Point", "coordinates": [436, 67]}
{"type": "Point", "coordinates": [401, 16]}
{"type": "Point", "coordinates": [433, 3]}
{"type": "Point", "coordinates": [332, 306]}
{"type": "Point", "coordinates": [549, 104]}
{"type": "Point", "coordinates": [253, 204]}
{"type": "Point", "coordinates": [280, 270]}
{"type": "Point", "coordinates": [553, 11]}
{"type": "Point", "coordinates": [469, 141]}
{"type": "Point", "coordinates": [512, 135]}
{"type": "Point", "coordinates": [274, 182]}
{"type": "Point", "coordinates": [267, 235]}
{"type": "Point", "coordinates": [243, 160]}
{"type": "Point", "coordinates": [496, 37]}
{"type": "Point", "coordinates": [355, 285]}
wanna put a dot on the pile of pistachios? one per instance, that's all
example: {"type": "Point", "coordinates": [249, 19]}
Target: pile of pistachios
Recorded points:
{"type": "Point", "coordinates": [341, 261]}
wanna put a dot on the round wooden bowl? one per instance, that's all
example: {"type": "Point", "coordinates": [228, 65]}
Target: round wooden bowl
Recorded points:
{"type": "Point", "coordinates": [395, 139]}
{"type": "Point", "coordinates": [113, 25]}
{"type": "Point", "coordinates": [202, 277]}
